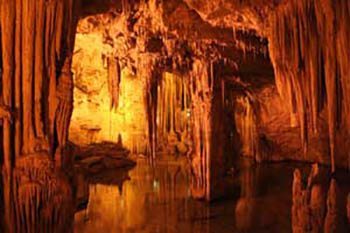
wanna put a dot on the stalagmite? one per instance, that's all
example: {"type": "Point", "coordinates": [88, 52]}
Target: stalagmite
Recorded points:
{"type": "Point", "coordinates": [317, 207]}
{"type": "Point", "coordinates": [309, 203]}
{"type": "Point", "coordinates": [348, 208]}
{"type": "Point", "coordinates": [332, 218]}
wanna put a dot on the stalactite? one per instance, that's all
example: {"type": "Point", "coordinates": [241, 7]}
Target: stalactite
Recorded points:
{"type": "Point", "coordinates": [64, 107]}
{"type": "Point", "coordinates": [114, 79]}
{"type": "Point", "coordinates": [201, 92]}
{"type": "Point", "coordinates": [28, 58]}
{"type": "Point", "coordinates": [39, 35]}
{"type": "Point", "coordinates": [173, 102]}
{"type": "Point", "coordinates": [39, 68]}
{"type": "Point", "coordinates": [7, 14]}
{"type": "Point", "coordinates": [207, 116]}
{"type": "Point", "coordinates": [309, 48]}
{"type": "Point", "coordinates": [246, 123]}
{"type": "Point", "coordinates": [147, 69]}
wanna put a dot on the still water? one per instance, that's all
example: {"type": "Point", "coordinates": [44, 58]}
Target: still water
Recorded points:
{"type": "Point", "coordinates": [157, 199]}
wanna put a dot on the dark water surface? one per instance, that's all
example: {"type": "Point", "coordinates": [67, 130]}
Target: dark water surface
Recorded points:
{"type": "Point", "coordinates": [157, 199]}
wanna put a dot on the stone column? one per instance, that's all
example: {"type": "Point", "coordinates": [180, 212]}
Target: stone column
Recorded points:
{"type": "Point", "coordinates": [208, 166]}
{"type": "Point", "coordinates": [149, 71]}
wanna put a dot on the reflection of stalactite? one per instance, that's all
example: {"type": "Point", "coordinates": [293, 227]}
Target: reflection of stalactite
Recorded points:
{"type": "Point", "coordinates": [114, 79]}
{"type": "Point", "coordinates": [309, 47]}
{"type": "Point", "coordinates": [298, 207]}
{"type": "Point", "coordinates": [245, 208]}
{"type": "Point", "coordinates": [42, 198]}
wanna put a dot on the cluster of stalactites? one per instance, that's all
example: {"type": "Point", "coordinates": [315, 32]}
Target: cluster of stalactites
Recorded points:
{"type": "Point", "coordinates": [36, 38]}
{"type": "Point", "coordinates": [310, 51]}
{"type": "Point", "coordinates": [173, 103]}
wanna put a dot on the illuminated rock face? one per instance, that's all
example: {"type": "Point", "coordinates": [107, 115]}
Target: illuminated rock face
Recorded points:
{"type": "Point", "coordinates": [310, 52]}
{"type": "Point", "coordinates": [119, 62]}
{"type": "Point", "coordinates": [94, 120]}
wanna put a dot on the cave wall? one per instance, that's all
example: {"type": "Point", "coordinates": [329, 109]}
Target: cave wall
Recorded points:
{"type": "Point", "coordinates": [36, 101]}
{"type": "Point", "coordinates": [94, 118]}
{"type": "Point", "coordinates": [269, 132]}
{"type": "Point", "coordinates": [309, 49]}
{"type": "Point", "coordinates": [37, 41]}
{"type": "Point", "coordinates": [303, 117]}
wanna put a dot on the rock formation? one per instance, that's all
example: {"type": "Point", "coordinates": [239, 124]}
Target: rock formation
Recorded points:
{"type": "Point", "coordinates": [348, 208]}
{"type": "Point", "coordinates": [314, 209]}
{"type": "Point", "coordinates": [268, 77]}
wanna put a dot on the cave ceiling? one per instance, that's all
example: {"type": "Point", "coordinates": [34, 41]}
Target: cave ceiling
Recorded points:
{"type": "Point", "coordinates": [179, 31]}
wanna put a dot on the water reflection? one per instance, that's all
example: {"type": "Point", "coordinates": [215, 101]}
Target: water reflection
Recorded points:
{"type": "Point", "coordinates": [318, 206]}
{"type": "Point", "coordinates": [37, 197]}
{"type": "Point", "coordinates": [159, 200]}
{"type": "Point", "coordinates": [152, 199]}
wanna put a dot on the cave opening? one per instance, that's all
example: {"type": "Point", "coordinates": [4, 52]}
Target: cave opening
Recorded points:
{"type": "Point", "coordinates": [174, 116]}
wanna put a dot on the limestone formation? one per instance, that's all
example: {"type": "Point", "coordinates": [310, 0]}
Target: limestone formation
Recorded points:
{"type": "Point", "coordinates": [348, 208]}
{"type": "Point", "coordinates": [332, 218]}
{"type": "Point", "coordinates": [213, 80]}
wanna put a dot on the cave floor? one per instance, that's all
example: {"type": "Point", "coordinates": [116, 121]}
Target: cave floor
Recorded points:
{"type": "Point", "coordinates": [152, 199]}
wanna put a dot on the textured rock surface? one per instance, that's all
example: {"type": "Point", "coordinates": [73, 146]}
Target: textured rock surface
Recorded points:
{"type": "Point", "coordinates": [93, 119]}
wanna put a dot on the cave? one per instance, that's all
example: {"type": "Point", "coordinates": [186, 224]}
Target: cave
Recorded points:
{"type": "Point", "coordinates": [174, 116]}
